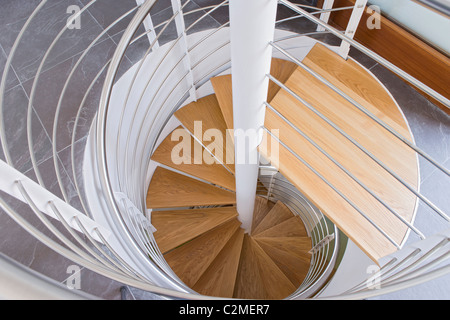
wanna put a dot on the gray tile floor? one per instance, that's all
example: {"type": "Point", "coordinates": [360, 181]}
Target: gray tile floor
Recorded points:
{"type": "Point", "coordinates": [430, 125]}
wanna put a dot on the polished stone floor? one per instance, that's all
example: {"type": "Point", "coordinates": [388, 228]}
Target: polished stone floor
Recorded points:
{"type": "Point", "coordinates": [430, 125]}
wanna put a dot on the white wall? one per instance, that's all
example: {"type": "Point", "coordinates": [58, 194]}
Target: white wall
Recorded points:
{"type": "Point", "coordinates": [426, 23]}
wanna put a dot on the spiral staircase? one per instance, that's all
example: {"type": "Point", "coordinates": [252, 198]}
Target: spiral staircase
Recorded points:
{"type": "Point", "coordinates": [156, 181]}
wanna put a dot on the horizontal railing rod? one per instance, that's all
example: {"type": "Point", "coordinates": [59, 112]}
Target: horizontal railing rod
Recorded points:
{"type": "Point", "coordinates": [420, 260]}
{"type": "Point", "coordinates": [432, 275]}
{"type": "Point", "coordinates": [111, 263]}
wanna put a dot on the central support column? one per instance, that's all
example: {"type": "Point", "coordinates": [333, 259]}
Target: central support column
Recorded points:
{"type": "Point", "coordinates": [252, 28]}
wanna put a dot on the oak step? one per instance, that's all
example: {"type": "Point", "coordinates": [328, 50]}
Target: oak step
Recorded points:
{"type": "Point", "coordinates": [290, 255]}
{"type": "Point", "coordinates": [223, 87]}
{"type": "Point", "coordinates": [204, 120]}
{"type": "Point", "coordinates": [192, 259]}
{"type": "Point", "coordinates": [375, 139]}
{"type": "Point", "coordinates": [220, 277]}
{"type": "Point", "coordinates": [192, 159]}
{"type": "Point", "coordinates": [262, 208]}
{"type": "Point", "coordinates": [292, 227]}
{"type": "Point", "coordinates": [258, 275]}
{"type": "Point", "coordinates": [276, 215]}
{"type": "Point", "coordinates": [224, 93]}
{"type": "Point", "coordinates": [180, 226]}
{"type": "Point", "coordinates": [169, 189]}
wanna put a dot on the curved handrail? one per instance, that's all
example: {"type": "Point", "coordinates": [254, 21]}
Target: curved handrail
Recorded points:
{"type": "Point", "coordinates": [104, 259]}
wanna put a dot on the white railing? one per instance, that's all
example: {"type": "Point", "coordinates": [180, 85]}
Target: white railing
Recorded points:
{"type": "Point", "coordinates": [102, 195]}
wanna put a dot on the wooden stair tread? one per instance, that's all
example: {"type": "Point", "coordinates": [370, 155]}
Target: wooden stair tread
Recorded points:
{"type": "Point", "coordinates": [340, 212]}
{"type": "Point", "coordinates": [180, 226]}
{"type": "Point", "coordinates": [262, 208]}
{"type": "Point", "coordinates": [292, 227]}
{"type": "Point", "coordinates": [220, 277]}
{"type": "Point", "coordinates": [193, 158]}
{"type": "Point", "coordinates": [276, 215]}
{"type": "Point", "coordinates": [192, 259]}
{"type": "Point", "coordinates": [358, 84]}
{"type": "Point", "coordinates": [224, 93]}
{"type": "Point", "coordinates": [290, 255]}
{"type": "Point", "coordinates": [258, 276]}
{"type": "Point", "coordinates": [206, 111]}
{"type": "Point", "coordinates": [223, 87]}
{"type": "Point", "coordinates": [169, 189]}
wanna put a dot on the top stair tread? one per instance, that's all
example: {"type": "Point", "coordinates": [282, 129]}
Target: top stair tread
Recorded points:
{"type": "Point", "coordinates": [375, 139]}
{"type": "Point", "coordinates": [192, 259]}
{"type": "Point", "coordinates": [207, 114]}
{"type": "Point", "coordinates": [169, 189]}
{"type": "Point", "coordinates": [193, 159]}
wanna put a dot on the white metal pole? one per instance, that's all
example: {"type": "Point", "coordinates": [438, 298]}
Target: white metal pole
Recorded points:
{"type": "Point", "coordinates": [325, 16]}
{"type": "Point", "coordinates": [252, 28]}
{"type": "Point", "coordinates": [352, 27]}
{"type": "Point", "coordinates": [148, 25]}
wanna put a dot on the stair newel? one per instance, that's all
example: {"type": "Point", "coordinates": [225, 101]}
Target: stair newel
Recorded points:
{"type": "Point", "coordinates": [251, 59]}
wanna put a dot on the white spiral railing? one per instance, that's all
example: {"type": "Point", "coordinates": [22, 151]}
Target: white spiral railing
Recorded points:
{"type": "Point", "coordinates": [121, 112]}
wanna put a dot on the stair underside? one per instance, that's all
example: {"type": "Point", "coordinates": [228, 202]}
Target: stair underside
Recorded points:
{"type": "Point", "coordinates": [384, 146]}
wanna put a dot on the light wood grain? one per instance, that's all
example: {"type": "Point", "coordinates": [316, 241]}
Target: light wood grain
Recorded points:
{"type": "Point", "coordinates": [396, 155]}
{"type": "Point", "coordinates": [191, 260]}
{"type": "Point", "coordinates": [223, 87]}
{"type": "Point", "coordinates": [249, 283]}
{"type": "Point", "coordinates": [290, 255]}
{"type": "Point", "coordinates": [402, 48]}
{"type": "Point", "coordinates": [276, 215]}
{"type": "Point", "coordinates": [359, 85]}
{"type": "Point", "coordinates": [180, 226]}
{"type": "Point", "coordinates": [292, 227]}
{"type": "Point", "coordinates": [220, 277]}
{"type": "Point", "coordinates": [206, 111]}
{"type": "Point", "coordinates": [258, 275]}
{"type": "Point", "coordinates": [169, 189]}
{"type": "Point", "coordinates": [281, 70]}
{"type": "Point", "coordinates": [262, 208]}
{"type": "Point", "coordinates": [194, 160]}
